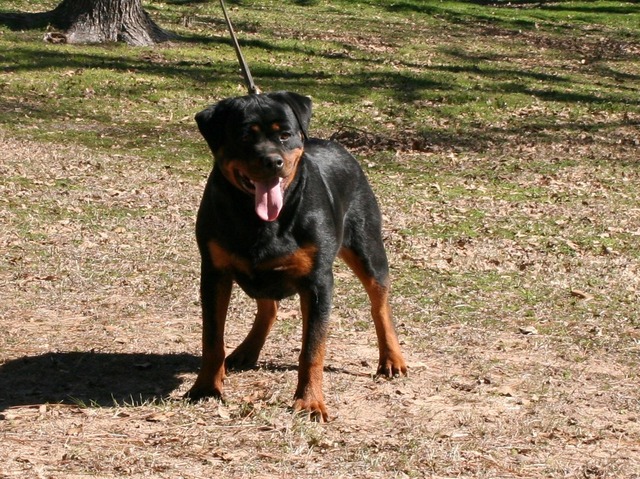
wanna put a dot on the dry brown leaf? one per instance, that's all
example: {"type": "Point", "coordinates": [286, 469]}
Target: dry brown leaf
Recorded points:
{"type": "Point", "coordinates": [506, 391]}
{"type": "Point", "coordinates": [528, 330]}
{"type": "Point", "coordinates": [159, 417]}
{"type": "Point", "coordinates": [581, 294]}
{"type": "Point", "coordinates": [74, 430]}
{"type": "Point", "coordinates": [223, 412]}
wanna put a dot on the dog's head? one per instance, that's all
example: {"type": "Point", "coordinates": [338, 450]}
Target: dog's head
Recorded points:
{"type": "Point", "coordinates": [257, 142]}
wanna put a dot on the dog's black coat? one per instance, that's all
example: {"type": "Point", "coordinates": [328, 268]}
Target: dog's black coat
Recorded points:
{"type": "Point", "coordinates": [328, 209]}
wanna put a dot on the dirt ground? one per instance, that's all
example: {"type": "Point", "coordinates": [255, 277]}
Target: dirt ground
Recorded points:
{"type": "Point", "coordinates": [100, 335]}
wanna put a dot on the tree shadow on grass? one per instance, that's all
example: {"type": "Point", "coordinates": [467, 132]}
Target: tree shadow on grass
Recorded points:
{"type": "Point", "coordinates": [25, 20]}
{"type": "Point", "coordinates": [89, 378]}
{"type": "Point", "coordinates": [469, 77]}
{"type": "Point", "coordinates": [405, 86]}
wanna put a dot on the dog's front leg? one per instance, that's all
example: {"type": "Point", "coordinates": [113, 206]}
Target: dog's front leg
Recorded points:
{"type": "Point", "coordinates": [315, 303]}
{"type": "Point", "coordinates": [215, 293]}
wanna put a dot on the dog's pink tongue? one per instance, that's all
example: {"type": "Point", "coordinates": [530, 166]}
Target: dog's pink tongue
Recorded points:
{"type": "Point", "coordinates": [268, 199]}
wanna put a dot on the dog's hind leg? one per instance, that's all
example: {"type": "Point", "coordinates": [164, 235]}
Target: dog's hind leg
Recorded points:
{"type": "Point", "coordinates": [372, 271]}
{"type": "Point", "coordinates": [245, 356]}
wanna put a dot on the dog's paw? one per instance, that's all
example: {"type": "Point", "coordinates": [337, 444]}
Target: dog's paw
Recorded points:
{"type": "Point", "coordinates": [313, 408]}
{"type": "Point", "coordinates": [392, 366]}
{"type": "Point", "coordinates": [198, 392]}
{"type": "Point", "coordinates": [241, 360]}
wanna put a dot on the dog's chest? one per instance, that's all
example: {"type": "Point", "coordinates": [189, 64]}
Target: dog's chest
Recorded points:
{"type": "Point", "coordinates": [269, 273]}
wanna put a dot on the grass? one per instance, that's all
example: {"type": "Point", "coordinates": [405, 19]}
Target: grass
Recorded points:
{"type": "Point", "coordinates": [501, 139]}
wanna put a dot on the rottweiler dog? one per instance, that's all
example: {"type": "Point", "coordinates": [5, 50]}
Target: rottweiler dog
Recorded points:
{"type": "Point", "coordinates": [277, 209]}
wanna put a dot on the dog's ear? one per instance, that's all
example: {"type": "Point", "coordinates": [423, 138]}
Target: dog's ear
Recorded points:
{"type": "Point", "coordinates": [211, 123]}
{"type": "Point", "coordinates": [301, 106]}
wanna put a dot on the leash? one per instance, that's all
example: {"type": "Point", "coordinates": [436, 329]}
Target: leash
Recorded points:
{"type": "Point", "coordinates": [246, 74]}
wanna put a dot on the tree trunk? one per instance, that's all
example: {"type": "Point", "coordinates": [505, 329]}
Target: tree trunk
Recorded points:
{"type": "Point", "coordinates": [101, 21]}
{"type": "Point", "coordinates": [95, 21]}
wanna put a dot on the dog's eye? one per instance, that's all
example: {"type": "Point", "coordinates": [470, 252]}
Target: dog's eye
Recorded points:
{"type": "Point", "coordinates": [284, 136]}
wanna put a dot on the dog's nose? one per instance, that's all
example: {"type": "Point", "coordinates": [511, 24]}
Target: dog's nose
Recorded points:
{"type": "Point", "coordinates": [273, 163]}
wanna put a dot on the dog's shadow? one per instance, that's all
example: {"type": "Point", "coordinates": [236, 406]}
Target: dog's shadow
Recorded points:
{"type": "Point", "coordinates": [92, 378]}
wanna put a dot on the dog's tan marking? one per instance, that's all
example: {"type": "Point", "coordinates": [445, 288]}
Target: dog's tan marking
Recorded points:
{"type": "Point", "coordinates": [227, 261]}
{"type": "Point", "coordinates": [296, 265]}
{"type": "Point", "coordinates": [291, 161]}
{"type": "Point", "coordinates": [308, 396]}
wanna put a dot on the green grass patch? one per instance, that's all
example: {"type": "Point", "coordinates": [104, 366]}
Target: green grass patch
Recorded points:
{"type": "Point", "coordinates": [383, 56]}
